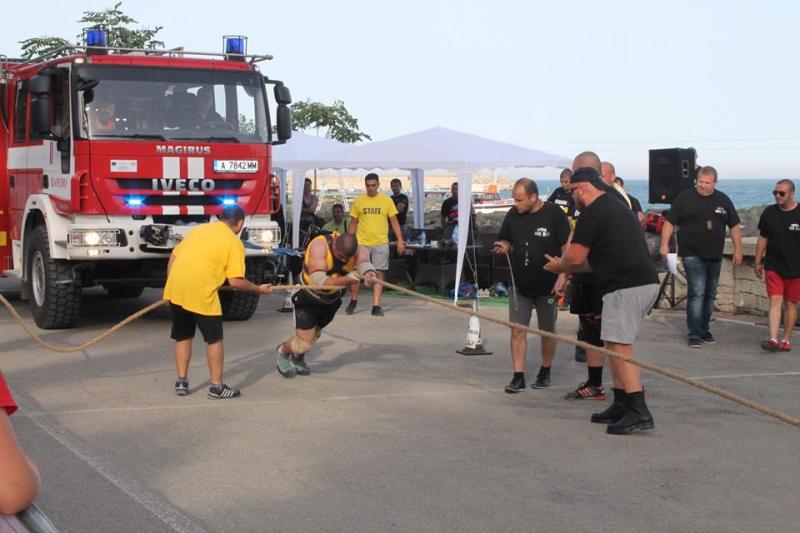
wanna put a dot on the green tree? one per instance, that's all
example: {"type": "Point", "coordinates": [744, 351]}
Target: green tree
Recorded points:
{"type": "Point", "coordinates": [113, 20]}
{"type": "Point", "coordinates": [332, 121]}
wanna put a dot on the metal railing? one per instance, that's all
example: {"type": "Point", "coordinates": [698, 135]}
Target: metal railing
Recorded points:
{"type": "Point", "coordinates": [29, 520]}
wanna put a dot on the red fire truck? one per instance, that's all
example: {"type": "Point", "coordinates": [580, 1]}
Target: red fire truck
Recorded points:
{"type": "Point", "coordinates": [108, 157]}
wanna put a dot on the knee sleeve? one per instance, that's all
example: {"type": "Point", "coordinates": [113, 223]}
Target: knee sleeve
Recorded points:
{"type": "Point", "coordinates": [589, 330]}
{"type": "Point", "coordinates": [299, 346]}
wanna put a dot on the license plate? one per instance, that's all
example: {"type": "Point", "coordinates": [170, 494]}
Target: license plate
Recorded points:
{"type": "Point", "coordinates": [236, 165]}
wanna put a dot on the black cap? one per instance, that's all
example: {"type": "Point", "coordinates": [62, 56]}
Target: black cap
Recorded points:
{"type": "Point", "coordinates": [585, 175]}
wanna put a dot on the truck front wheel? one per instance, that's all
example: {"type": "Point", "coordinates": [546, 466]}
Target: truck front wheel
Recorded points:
{"type": "Point", "coordinates": [238, 305]}
{"type": "Point", "coordinates": [54, 299]}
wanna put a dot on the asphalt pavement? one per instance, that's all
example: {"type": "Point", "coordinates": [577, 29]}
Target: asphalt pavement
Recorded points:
{"type": "Point", "coordinates": [394, 431]}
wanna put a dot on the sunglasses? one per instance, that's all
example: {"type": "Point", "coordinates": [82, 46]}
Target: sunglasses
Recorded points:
{"type": "Point", "coordinates": [779, 193]}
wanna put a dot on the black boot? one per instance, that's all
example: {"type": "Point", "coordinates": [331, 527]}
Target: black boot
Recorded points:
{"type": "Point", "coordinates": [615, 411]}
{"type": "Point", "coordinates": [637, 416]}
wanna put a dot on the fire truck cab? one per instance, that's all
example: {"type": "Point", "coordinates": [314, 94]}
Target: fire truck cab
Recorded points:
{"type": "Point", "coordinates": [108, 157]}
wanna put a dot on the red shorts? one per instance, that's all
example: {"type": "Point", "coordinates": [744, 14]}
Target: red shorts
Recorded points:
{"type": "Point", "coordinates": [789, 288]}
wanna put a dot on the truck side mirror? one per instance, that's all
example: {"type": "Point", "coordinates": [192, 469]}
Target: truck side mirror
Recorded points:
{"type": "Point", "coordinates": [282, 94]}
{"type": "Point", "coordinates": [284, 126]}
{"type": "Point", "coordinates": [41, 120]}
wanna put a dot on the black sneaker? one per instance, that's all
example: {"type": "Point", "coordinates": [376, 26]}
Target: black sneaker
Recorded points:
{"type": "Point", "coordinates": [222, 392]}
{"type": "Point", "coordinates": [377, 311]}
{"type": "Point", "coordinates": [517, 385]}
{"type": "Point", "coordinates": [696, 343]}
{"type": "Point", "coordinates": [182, 386]}
{"type": "Point", "coordinates": [351, 307]}
{"type": "Point", "coordinates": [542, 382]}
{"type": "Point", "coordinates": [708, 339]}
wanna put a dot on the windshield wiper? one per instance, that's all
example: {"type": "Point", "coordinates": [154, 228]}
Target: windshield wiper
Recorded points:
{"type": "Point", "coordinates": [153, 136]}
{"type": "Point", "coordinates": [206, 139]}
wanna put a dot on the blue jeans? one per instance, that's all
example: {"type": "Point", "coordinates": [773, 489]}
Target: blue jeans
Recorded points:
{"type": "Point", "coordinates": [702, 277]}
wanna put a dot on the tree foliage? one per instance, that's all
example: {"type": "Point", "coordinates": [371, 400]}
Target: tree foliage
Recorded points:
{"type": "Point", "coordinates": [332, 121]}
{"type": "Point", "coordinates": [113, 20]}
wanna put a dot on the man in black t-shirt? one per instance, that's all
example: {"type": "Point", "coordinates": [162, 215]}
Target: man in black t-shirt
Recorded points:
{"type": "Point", "coordinates": [636, 207]}
{"type": "Point", "coordinates": [778, 251]}
{"type": "Point", "coordinates": [449, 212]}
{"type": "Point", "coordinates": [561, 196]}
{"type": "Point", "coordinates": [609, 241]}
{"type": "Point", "coordinates": [701, 216]}
{"type": "Point", "coordinates": [531, 229]}
{"type": "Point", "coordinates": [401, 203]}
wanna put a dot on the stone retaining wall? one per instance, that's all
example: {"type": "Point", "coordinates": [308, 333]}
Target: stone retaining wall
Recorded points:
{"type": "Point", "coordinates": [739, 290]}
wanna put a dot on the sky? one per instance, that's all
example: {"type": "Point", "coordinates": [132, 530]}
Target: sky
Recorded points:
{"type": "Point", "coordinates": [616, 77]}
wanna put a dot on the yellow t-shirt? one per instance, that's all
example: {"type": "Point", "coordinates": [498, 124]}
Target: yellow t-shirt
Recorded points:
{"type": "Point", "coordinates": [204, 259]}
{"type": "Point", "coordinates": [373, 214]}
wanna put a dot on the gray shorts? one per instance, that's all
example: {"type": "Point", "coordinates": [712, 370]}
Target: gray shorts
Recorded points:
{"type": "Point", "coordinates": [546, 310]}
{"type": "Point", "coordinates": [379, 256]}
{"type": "Point", "coordinates": [623, 312]}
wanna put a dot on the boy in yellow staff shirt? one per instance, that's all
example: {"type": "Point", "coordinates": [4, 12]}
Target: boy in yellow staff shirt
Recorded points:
{"type": "Point", "coordinates": [370, 217]}
{"type": "Point", "coordinates": [198, 266]}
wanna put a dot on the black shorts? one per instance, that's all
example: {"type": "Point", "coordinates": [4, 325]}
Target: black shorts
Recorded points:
{"type": "Point", "coordinates": [311, 312]}
{"type": "Point", "coordinates": [185, 322]}
{"type": "Point", "coordinates": [585, 298]}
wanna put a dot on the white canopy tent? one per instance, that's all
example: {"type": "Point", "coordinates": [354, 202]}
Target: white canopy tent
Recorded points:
{"type": "Point", "coordinates": [437, 148]}
{"type": "Point", "coordinates": [298, 155]}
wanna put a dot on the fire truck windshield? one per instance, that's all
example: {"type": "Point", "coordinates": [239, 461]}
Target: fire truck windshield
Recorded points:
{"type": "Point", "coordinates": [170, 104]}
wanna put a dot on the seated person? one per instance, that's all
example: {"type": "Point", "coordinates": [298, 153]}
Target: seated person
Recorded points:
{"type": "Point", "coordinates": [102, 115]}
{"type": "Point", "coordinates": [339, 223]}
{"type": "Point", "coordinates": [205, 107]}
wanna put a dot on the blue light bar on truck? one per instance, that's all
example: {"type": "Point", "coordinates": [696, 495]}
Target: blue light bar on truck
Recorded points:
{"type": "Point", "coordinates": [229, 201]}
{"type": "Point", "coordinates": [134, 201]}
{"type": "Point", "coordinates": [235, 44]}
{"type": "Point", "coordinates": [96, 37]}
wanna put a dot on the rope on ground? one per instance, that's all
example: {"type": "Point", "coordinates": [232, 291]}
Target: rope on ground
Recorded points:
{"type": "Point", "coordinates": [135, 316]}
{"type": "Point", "coordinates": [605, 351]}
{"type": "Point", "coordinates": [466, 311]}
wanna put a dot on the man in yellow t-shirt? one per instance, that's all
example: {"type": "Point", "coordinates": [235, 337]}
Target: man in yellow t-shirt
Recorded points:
{"type": "Point", "coordinates": [198, 266]}
{"type": "Point", "coordinates": [370, 217]}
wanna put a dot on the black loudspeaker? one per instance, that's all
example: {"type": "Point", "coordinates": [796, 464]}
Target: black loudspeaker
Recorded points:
{"type": "Point", "coordinates": [671, 172]}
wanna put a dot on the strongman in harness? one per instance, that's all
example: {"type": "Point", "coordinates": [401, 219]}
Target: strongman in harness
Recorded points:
{"type": "Point", "coordinates": [335, 261]}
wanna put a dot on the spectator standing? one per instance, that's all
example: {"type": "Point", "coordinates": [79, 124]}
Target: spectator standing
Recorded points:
{"type": "Point", "coordinates": [401, 204]}
{"type": "Point", "coordinates": [561, 196]}
{"type": "Point", "coordinates": [338, 222]}
{"type": "Point", "coordinates": [700, 216]}
{"type": "Point", "coordinates": [609, 240]}
{"type": "Point", "coordinates": [636, 206]}
{"type": "Point", "coordinates": [19, 479]}
{"type": "Point", "coordinates": [198, 266]}
{"type": "Point", "coordinates": [308, 211]}
{"type": "Point", "coordinates": [531, 229]}
{"type": "Point", "coordinates": [778, 252]}
{"type": "Point", "coordinates": [370, 217]}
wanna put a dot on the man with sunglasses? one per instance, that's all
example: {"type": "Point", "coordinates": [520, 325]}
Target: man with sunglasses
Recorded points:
{"type": "Point", "coordinates": [778, 252]}
{"type": "Point", "coordinates": [701, 216]}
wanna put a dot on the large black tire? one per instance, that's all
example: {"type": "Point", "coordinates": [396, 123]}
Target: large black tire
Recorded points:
{"type": "Point", "coordinates": [238, 305]}
{"type": "Point", "coordinates": [55, 301]}
{"type": "Point", "coordinates": [118, 290]}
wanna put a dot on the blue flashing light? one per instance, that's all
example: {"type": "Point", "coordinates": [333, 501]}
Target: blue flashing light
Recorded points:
{"type": "Point", "coordinates": [134, 201]}
{"type": "Point", "coordinates": [229, 201]}
{"type": "Point", "coordinates": [96, 37]}
{"type": "Point", "coordinates": [235, 44]}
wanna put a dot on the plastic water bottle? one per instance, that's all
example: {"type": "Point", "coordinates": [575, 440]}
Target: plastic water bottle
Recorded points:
{"type": "Point", "coordinates": [422, 238]}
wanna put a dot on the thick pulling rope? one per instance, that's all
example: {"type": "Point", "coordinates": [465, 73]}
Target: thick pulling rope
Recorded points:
{"type": "Point", "coordinates": [466, 311]}
{"type": "Point", "coordinates": [605, 351]}
{"type": "Point", "coordinates": [135, 316]}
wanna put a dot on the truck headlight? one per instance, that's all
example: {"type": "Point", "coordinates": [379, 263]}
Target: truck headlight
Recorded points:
{"type": "Point", "coordinates": [266, 236]}
{"type": "Point", "coordinates": [107, 238]}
